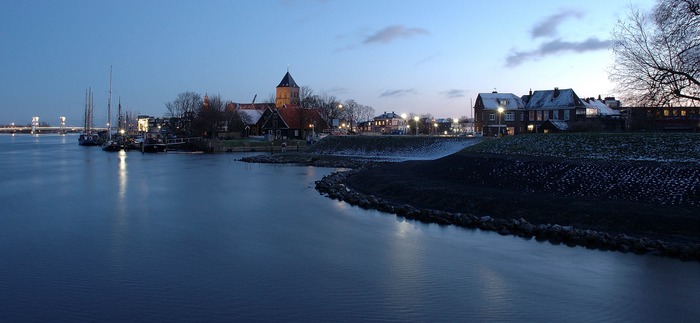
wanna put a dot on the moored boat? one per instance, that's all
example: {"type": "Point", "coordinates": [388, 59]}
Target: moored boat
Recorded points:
{"type": "Point", "coordinates": [154, 145]}
{"type": "Point", "coordinates": [87, 139]}
{"type": "Point", "coordinates": [112, 145]}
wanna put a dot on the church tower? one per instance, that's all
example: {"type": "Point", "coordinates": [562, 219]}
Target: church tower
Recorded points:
{"type": "Point", "coordinates": [287, 92]}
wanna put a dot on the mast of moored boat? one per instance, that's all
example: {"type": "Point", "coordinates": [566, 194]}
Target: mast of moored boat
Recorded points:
{"type": "Point", "coordinates": [85, 120]}
{"type": "Point", "coordinates": [109, 106]}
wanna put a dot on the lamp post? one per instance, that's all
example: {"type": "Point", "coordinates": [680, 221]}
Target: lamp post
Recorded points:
{"type": "Point", "coordinates": [416, 125]}
{"type": "Point", "coordinates": [500, 111]}
{"type": "Point", "coordinates": [340, 108]}
{"type": "Point", "coordinates": [406, 127]}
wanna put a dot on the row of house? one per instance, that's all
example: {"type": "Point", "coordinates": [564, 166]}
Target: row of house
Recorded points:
{"type": "Point", "coordinates": [561, 110]}
{"type": "Point", "coordinates": [543, 111]}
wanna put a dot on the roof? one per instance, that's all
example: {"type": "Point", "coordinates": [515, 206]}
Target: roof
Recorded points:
{"type": "Point", "coordinates": [291, 116]}
{"type": "Point", "coordinates": [603, 109]}
{"type": "Point", "coordinates": [390, 115]}
{"type": "Point", "coordinates": [250, 112]}
{"type": "Point", "coordinates": [553, 99]}
{"type": "Point", "coordinates": [508, 101]}
{"type": "Point", "coordinates": [288, 81]}
{"type": "Point", "coordinates": [559, 124]}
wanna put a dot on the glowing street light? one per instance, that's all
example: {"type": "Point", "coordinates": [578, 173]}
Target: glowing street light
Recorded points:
{"type": "Point", "coordinates": [416, 125]}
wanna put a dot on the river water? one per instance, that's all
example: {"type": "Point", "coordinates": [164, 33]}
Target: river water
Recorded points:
{"type": "Point", "coordinates": [88, 235]}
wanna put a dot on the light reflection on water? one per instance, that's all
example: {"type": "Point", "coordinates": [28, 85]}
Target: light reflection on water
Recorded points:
{"type": "Point", "coordinates": [91, 235]}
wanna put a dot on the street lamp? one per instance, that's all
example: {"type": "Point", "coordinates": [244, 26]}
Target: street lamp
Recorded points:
{"type": "Point", "coordinates": [340, 107]}
{"type": "Point", "coordinates": [500, 111]}
{"type": "Point", "coordinates": [416, 125]}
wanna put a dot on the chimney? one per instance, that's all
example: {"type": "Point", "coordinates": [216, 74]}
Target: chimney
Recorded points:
{"type": "Point", "coordinates": [556, 92]}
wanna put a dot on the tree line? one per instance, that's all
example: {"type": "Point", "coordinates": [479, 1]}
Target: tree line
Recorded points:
{"type": "Point", "coordinates": [195, 115]}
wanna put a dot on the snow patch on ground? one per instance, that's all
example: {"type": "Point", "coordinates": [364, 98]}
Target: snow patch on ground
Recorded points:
{"type": "Point", "coordinates": [426, 151]}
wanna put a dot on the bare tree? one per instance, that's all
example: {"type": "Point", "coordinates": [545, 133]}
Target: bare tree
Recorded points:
{"type": "Point", "coordinates": [210, 117]}
{"type": "Point", "coordinates": [351, 111]}
{"type": "Point", "coordinates": [657, 56]}
{"type": "Point", "coordinates": [186, 102]}
{"type": "Point", "coordinates": [184, 110]}
{"type": "Point", "coordinates": [329, 108]}
{"type": "Point", "coordinates": [307, 99]}
{"type": "Point", "coordinates": [365, 113]}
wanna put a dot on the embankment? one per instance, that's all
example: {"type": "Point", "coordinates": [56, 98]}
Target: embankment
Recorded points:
{"type": "Point", "coordinates": [625, 196]}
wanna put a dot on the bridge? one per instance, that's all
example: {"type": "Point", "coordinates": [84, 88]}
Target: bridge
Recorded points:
{"type": "Point", "coordinates": [38, 129]}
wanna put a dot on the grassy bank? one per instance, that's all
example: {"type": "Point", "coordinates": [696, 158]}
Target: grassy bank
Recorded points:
{"type": "Point", "coordinates": [662, 147]}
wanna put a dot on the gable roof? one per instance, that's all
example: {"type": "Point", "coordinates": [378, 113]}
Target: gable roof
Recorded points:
{"type": "Point", "coordinates": [288, 81]}
{"type": "Point", "coordinates": [561, 125]}
{"type": "Point", "coordinates": [553, 99]}
{"type": "Point", "coordinates": [291, 118]}
{"type": "Point", "coordinates": [250, 112]}
{"type": "Point", "coordinates": [603, 109]}
{"type": "Point", "coordinates": [509, 101]}
{"type": "Point", "coordinates": [390, 115]}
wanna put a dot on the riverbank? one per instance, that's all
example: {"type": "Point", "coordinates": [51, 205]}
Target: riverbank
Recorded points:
{"type": "Point", "coordinates": [607, 200]}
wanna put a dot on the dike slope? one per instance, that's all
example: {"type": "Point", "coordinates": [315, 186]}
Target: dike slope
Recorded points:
{"type": "Point", "coordinates": [621, 192]}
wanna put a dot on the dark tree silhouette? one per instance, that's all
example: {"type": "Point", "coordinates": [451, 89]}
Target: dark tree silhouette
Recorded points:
{"type": "Point", "coordinates": [657, 56]}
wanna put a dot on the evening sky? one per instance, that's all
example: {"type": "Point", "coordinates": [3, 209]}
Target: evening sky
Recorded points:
{"type": "Point", "coordinates": [405, 56]}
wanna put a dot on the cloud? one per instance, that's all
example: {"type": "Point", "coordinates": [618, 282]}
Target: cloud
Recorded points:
{"type": "Point", "coordinates": [557, 46]}
{"type": "Point", "coordinates": [427, 59]}
{"type": "Point", "coordinates": [397, 93]}
{"type": "Point", "coordinates": [391, 33]}
{"type": "Point", "coordinates": [338, 90]}
{"type": "Point", "coordinates": [548, 26]}
{"type": "Point", "coordinates": [454, 93]}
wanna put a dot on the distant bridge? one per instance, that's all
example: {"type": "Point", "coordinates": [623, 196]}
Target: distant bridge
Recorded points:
{"type": "Point", "coordinates": [30, 129]}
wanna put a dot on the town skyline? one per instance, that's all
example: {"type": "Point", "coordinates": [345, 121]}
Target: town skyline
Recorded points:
{"type": "Point", "coordinates": [419, 58]}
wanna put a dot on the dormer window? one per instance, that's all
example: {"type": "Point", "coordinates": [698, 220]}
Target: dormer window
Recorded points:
{"type": "Point", "coordinates": [503, 102]}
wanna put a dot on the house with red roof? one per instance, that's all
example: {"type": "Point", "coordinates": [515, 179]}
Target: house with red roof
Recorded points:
{"type": "Point", "coordinates": [283, 119]}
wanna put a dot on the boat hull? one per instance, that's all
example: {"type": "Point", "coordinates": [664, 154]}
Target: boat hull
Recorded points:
{"type": "Point", "coordinates": [87, 140]}
{"type": "Point", "coordinates": [111, 146]}
{"type": "Point", "coordinates": [155, 148]}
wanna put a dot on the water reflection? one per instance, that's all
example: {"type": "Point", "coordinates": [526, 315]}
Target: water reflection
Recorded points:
{"type": "Point", "coordinates": [122, 177]}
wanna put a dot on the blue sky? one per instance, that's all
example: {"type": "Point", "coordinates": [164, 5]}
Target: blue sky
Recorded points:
{"type": "Point", "coordinates": [403, 56]}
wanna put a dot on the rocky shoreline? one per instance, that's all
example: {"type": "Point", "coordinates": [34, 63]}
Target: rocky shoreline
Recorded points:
{"type": "Point", "coordinates": [336, 186]}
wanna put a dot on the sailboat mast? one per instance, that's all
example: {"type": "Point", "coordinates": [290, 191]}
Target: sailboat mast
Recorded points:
{"type": "Point", "coordinates": [92, 110]}
{"type": "Point", "coordinates": [119, 116]}
{"type": "Point", "coordinates": [85, 113]}
{"type": "Point", "coordinates": [109, 106]}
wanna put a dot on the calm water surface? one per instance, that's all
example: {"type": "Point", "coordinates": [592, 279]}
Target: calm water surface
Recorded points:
{"type": "Point", "coordinates": [87, 235]}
